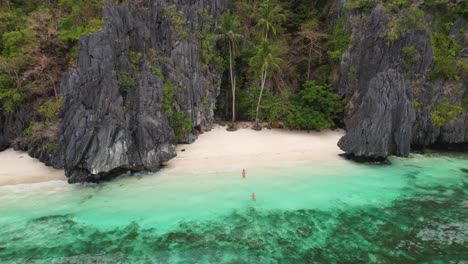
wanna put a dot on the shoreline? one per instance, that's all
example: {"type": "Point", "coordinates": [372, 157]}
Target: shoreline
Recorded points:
{"type": "Point", "coordinates": [17, 167]}
{"type": "Point", "coordinates": [223, 150]}
{"type": "Point", "coordinates": [214, 151]}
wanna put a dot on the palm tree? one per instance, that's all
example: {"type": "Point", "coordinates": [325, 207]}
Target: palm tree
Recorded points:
{"type": "Point", "coordinates": [264, 63]}
{"type": "Point", "coordinates": [228, 33]}
{"type": "Point", "coordinates": [271, 17]}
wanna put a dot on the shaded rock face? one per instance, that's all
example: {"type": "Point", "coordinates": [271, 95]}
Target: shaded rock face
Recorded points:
{"type": "Point", "coordinates": [382, 94]}
{"type": "Point", "coordinates": [381, 125]}
{"type": "Point", "coordinates": [114, 119]}
{"type": "Point", "coordinates": [38, 145]}
{"type": "Point", "coordinates": [12, 124]}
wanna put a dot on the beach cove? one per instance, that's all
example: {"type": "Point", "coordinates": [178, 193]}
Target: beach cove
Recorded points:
{"type": "Point", "coordinates": [198, 208]}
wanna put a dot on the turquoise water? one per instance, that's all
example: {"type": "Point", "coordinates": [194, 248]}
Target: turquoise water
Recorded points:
{"type": "Point", "coordinates": [413, 211]}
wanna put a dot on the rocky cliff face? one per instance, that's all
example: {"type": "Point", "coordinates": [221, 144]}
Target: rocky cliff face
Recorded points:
{"type": "Point", "coordinates": [390, 94]}
{"type": "Point", "coordinates": [136, 80]}
{"type": "Point", "coordinates": [41, 144]}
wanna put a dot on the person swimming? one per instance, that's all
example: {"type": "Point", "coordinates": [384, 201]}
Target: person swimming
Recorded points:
{"type": "Point", "coordinates": [243, 173]}
{"type": "Point", "coordinates": [254, 198]}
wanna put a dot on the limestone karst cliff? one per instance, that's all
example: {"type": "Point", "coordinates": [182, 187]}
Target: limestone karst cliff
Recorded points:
{"type": "Point", "coordinates": [138, 80]}
{"type": "Point", "coordinates": [145, 78]}
{"type": "Point", "coordinates": [395, 98]}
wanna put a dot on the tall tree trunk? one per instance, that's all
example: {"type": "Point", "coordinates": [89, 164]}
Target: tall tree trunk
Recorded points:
{"type": "Point", "coordinates": [308, 63]}
{"type": "Point", "coordinates": [233, 85]}
{"type": "Point", "coordinates": [260, 97]}
{"type": "Point", "coordinates": [55, 91]}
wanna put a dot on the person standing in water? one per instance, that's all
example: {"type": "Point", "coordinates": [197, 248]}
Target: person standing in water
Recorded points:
{"type": "Point", "coordinates": [243, 173]}
{"type": "Point", "coordinates": [254, 198]}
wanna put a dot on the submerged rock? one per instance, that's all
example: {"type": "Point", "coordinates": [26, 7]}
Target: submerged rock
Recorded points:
{"type": "Point", "coordinates": [115, 118]}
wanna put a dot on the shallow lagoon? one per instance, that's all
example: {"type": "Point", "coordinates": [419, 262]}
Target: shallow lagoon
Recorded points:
{"type": "Point", "coordinates": [413, 211]}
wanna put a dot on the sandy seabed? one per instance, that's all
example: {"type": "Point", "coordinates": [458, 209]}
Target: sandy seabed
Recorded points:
{"type": "Point", "coordinates": [214, 151]}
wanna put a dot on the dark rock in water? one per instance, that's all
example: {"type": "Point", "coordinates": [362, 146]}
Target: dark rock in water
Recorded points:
{"type": "Point", "coordinates": [464, 170]}
{"type": "Point", "coordinates": [461, 147]}
{"type": "Point", "coordinates": [390, 101]}
{"type": "Point", "coordinates": [114, 119]}
{"type": "Point", "coordinates": [363, 159]}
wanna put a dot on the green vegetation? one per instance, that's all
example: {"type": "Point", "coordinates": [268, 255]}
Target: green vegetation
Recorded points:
{"type": "Point", "coordinates": [416, 105]}
{"type": "Point", "coordinates": [279, 56]}
{"type": "Point", "coordinates": [409, 55]}
{"type": "Point", "coordinates": [126, 82]}
{"type": "Point", "coordinates": [228, 33]}
{"type": "Point", "coordinates": [180, 123]}
{"type": "Point", "coordinates": [38, 43]}
{"type": "Point", "coordinates": [209, 53]}
{"type": "Point", "coordinates": [445, 112]}
{"type": "Point", "coordinates": [365, 5]}
{"type": "Point", "coordinates": [157, 72]}
{"type": "Point", "coordinates": [207, 103]}
{"type": "Point", "coordinates": [135, 60]}
{"type": "Point", "coordinates": [396, 5]}
{"type": "Point", "coordinates": [153, 58]}
{"type": "Point", "coordinates": [51, 108]}
{"type": "Point", "coordinates": [405, 18]}
{"type": "Point", "coordinates": [284, 45]}
{"type": "Point", "coordinates": [49, 147]}
{"type": "Point", "coordinates": [447, 64]}
{"type": "Point", "coordinates": [263, 64]}
{"type": "Point", "coordinates": [446, 49]}
{"type": "Point", "coordinates": [340, 41]}
{"type": "Point", "coordinates": [82, 18]}
{"type": "Point", "coordinates": [168, 98]}
{"type": "Point", "coordinates": [316, 107]}
{"type": "Point", "coordinates": [29, 130]}
{"type": "Point", "coordinates": [177, 20]}
{"type": "Point", "coordinates": [404, 21]}
{"type": "Point", "coordinates": [10, 96]}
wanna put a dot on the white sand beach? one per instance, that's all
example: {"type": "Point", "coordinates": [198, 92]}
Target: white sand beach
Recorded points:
{"type": "Point", "coordinates": [214, 151]}
{"type": "Point", "coordinates": [219, 149]}
{"type": "Point", "coordinates": [17, 167]}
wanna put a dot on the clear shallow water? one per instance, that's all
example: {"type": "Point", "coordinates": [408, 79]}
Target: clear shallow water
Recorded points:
{"type": "Point", "coordinates": [413, 211]}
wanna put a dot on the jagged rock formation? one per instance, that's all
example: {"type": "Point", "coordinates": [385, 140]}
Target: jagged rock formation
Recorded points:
{"type": "Point", "coordinates": [40, 145]}
{"type": "Point", "coordinates": [390, 100]}
{"type": "Point", "coordinates": [114, 118]}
